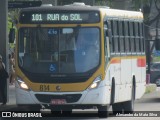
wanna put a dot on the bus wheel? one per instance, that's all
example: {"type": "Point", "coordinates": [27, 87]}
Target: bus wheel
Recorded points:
{"type": "Point", "coordinates": [117, 108]}
{"type": "Point", "coordinates": [103, 111]}
{"type": "Point", "coordinates": [129, 105]}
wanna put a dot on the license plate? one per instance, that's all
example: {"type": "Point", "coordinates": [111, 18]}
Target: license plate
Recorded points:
{"type": "Point", "coordinates": [58, 101]}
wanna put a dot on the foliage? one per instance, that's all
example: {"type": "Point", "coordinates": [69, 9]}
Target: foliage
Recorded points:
{"type": "Point", "coordinates": [150, 88]}
{"type": "Point", "coordinates": [9, 23]}
{"type": "Point", "coordinates": [145, 5]}
{"type": "Point", "coordinates": [138, 3]}
{"type": "Point", "coordinates": [65, 2]}
{"type": "Point", "coordinates": [103, 3]}
{"type": "Point", "coordinates": [13, 16]}
{"type": "Point", "coordinates": [156, 59]}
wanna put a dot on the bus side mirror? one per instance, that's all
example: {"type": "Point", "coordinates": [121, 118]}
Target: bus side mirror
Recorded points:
{"type": "Point", "coordinates": [157, 44]}
{"type": "Point", "coordinates": [12, 35]}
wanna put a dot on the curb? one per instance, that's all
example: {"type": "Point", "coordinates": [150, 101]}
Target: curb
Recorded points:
{"type": "Point", "coordinates": [150, 88]}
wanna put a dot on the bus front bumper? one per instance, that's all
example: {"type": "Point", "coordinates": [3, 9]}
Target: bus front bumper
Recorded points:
{"type": "Point", "coordinates": [98, 96]}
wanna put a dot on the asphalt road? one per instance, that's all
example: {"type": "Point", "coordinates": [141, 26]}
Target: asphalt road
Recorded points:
{"type": "Point", "coordinates": [148, 107]}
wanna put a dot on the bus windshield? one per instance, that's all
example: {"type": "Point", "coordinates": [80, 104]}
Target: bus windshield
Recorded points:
{"type": "Point", "coordinates": [59, 50]}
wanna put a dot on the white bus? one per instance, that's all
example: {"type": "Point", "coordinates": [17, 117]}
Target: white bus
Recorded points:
{"type": "Point", "coordinates": [70, 57]}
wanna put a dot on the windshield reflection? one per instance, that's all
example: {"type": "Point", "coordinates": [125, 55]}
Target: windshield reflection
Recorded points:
{"type": "Point", "coordinates": [59, 50]}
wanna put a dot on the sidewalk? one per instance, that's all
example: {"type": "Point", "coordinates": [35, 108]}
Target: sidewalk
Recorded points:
{"type": "Point", "coordinates": [11, 104]}
{"type": "Point", "coordinates": [150, 88]}
{"type": "Point", "coordinates": [12, 95]}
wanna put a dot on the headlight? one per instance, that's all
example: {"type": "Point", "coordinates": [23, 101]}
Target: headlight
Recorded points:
{"type": "Point", "coordinates": [22, 84]}
{"type": "Point", "coordinates": [95, 83]}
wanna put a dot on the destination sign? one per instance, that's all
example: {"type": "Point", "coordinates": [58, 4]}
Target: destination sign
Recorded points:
{"type": "Point", "coordinates": [82, 17]}
{"type": "Point", "coordinates": [58, 17]}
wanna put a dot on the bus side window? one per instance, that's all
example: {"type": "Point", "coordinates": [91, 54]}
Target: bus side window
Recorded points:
{"type": "Point", "coordinates": [112, 39]}
{"type": "Point", "coordinates": [136, 37]}
{"type": "Point", "coordinates": [141, 37]}
{"type": "Point", "coordinates": [116, 36]}
{"type": "Point", "coordinates": [127, 47]}
{"type": "Point", "coordinates": [132, 37]}
{"type": "Point", "coordinates": [129, 36]}
{"type": "Point", "coordinates": [121, 36]}
{"type": "Point", "coordinates": [107, 32]}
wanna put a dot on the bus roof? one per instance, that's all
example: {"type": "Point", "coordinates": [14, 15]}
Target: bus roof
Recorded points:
{"type": "Point", "coordinates": [51, 8]}
{"type": "Point", "coordinates": [115, 13]}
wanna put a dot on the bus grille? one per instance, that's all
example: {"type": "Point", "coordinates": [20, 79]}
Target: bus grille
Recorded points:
{"type": "Point", "coordinates": [70, 98]}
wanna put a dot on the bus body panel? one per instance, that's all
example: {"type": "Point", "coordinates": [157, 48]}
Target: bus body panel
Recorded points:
{"type": "Point", "coordinates": [124, 82]}
{"type": "Point", "coordinates": [99, 96]}
{"type": "Point", "coordinates": [140, 90]}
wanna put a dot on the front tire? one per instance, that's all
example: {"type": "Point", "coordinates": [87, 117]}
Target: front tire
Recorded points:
{"type": "Point", "coordinates": [103, 111]}
{"type": "Point", "coordinates": [117, 108]}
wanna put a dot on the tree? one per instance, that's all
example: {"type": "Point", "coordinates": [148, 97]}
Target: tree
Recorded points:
{"type": "Point", "coordinates": [103, 3]}
{"type": "Point", "coordinates": [65, 2]}
{"type": "Point", "coordinates": [151, 11]}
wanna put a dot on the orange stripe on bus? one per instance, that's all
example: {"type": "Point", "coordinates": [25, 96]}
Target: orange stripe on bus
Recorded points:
{"type": "Point", "coordinates": [141, 62]}
{"type": "Point", "coordinates": [115, 61]}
